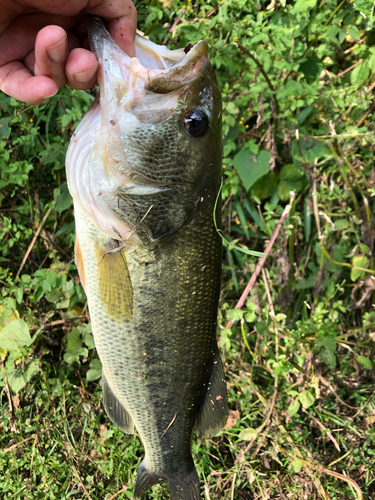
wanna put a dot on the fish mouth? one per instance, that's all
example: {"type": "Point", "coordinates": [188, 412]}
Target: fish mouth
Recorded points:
{"type": "Point", "coordinates": [155, 68]}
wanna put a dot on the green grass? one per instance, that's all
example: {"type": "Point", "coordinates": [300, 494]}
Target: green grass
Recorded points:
{"type": "Point", "coordinates": [299, 355]}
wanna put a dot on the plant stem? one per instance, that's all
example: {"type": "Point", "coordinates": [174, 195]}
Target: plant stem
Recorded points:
{"type": "Point", "coordinates": [266, 77]}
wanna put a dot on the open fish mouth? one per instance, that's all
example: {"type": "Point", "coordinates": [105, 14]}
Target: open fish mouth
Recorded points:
{"type": "Point", "coordinates": [155, 68]}
{"type": "Point", "coordinates": [143, 117]}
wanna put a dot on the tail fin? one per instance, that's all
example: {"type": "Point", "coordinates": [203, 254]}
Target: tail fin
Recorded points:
{"type": "Point", "coordinates": [185, 487]}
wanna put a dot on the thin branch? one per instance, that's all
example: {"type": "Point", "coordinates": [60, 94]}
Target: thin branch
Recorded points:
{"type": "Point", "coordinates": [261, 262]}
{"type": "Point", "coordinates": [264, 73]}
{"type": "Point", "coordinates": [342, 73]}
{"type": "Point", "coordinates": [33, 241]}
{"type": "Point", "coordinates": [14, 446]}
{"type": "Point", "coordinates": [80, 482]}
{"type": "Point", "coordinates": [124, 488]}
{"type": "Point", "coordinates": [329, 472]}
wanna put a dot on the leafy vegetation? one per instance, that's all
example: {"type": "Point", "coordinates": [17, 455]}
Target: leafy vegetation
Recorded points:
{"type": "Point", "coordinates": [298, 82]}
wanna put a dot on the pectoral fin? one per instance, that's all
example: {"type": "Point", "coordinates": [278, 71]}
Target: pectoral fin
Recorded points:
{"type": "Point", "coordinates": [214, 411]}
{"type": "Point", "coordinates": [115, 410]}
{"type": "Point", "coordinates": [115, 286]}
{"type": "Point", "coordinates": [79, 263]}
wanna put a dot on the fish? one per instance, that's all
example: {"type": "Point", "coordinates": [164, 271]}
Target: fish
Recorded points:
{"type": "Point", "coordinates": [144, 170]}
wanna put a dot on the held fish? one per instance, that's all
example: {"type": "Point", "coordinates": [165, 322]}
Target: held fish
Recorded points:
{"type": "Point", "coordinates": [144, 170]}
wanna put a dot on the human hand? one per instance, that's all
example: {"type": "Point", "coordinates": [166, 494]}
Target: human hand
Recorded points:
{"type": "Point", "coordinates": [44, 45]}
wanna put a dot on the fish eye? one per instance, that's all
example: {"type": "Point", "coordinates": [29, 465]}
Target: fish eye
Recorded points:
{"type": "Point", "coordinates": [196, 122]}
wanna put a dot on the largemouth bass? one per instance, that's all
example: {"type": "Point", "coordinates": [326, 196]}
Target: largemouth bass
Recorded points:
{"type": "Point", "coordinates": [144, 170]}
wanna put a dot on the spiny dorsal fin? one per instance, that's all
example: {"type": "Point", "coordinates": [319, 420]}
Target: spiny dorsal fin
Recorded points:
{"type": "Point", "coordinates": [115, 410]}
{"type": "Point", "coordinates": [214, 410]}
{"type": "Point", "coordinates": [115, 286]}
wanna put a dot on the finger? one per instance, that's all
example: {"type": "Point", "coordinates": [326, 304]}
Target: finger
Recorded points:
{"type": "Point", "coordinates": [29, 61]}
{"type": "Point", "coordinates": [81, 69]}
{"type": "Point", "coordinates": [123, 32]}
{"type": "Point", "coordinates": [51, 53]}
{"type": "Point", "coordinates": [18, 82]}
{"type": "Point", "coordinates": [121, 20]}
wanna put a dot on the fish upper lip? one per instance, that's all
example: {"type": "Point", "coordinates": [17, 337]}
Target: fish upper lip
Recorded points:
{"type": "Point", "coordinates": [183, 72]}
{"type": "Point", "coordinates": [179, 75]}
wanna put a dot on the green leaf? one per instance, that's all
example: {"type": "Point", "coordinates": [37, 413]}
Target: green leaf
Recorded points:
{"type": "Point", "coordinates": [248, 434]}
{"type": "Point", "coordinates": [251, 167]}
{"type": "Point", "coordinates": [73, 357]}
{"type": "Point", "coordinates": [354, 32]}
{"type": "Point", "coordinates": [359, 261]}
{"type": "Point", "coordinates": [326, 344]}
{"type": "Point", "coordinates": [341, 224]}
{"type": "Point", "coordinates": [311, 148]}
{"type": "Point", "coordinates": [15, 335]}
{"type": "Point", "coordinates": [95, 371]}
{"type": "Point", "coordinates": [363, 360]}
{"type": "Point", "coordinates": [262, 328]}
{"type": "Point", "coordinates": [304, 5]}
{"type": "Point", "coordinates": [307, 399]}
{"type": "Point", "coordinates": [302, 115]}
{"type": "Point", "coordinates": [74, 348]}
{"type": "Point", "coordinates": [305, 283]}
{"type": "Point", "coordinates": [39, 293]}
{"type": "Point", "coordinates": [292, 178]}
{"type": "Point", "coordinates": [88, 339]}
{"type": "Point", "coordinates": [360, 74]}
{"type": "Point", "coordinates": [342, 35]}
{"type": "Point", "coordinates": [253, 212]}
{"type": "Point", "coordinates": [242, 218]}
{"type": "Point", "coordinates": [64, 200]}
{"type": "Point", "coordinates": [332, 32]}
{"type": "Point", "coordinates": [66, 228]}
{"type": "Point", "coordinates": [265, 186]}
{"type": "Point", "coordinates": [371, 62]}
{"type": "Point", "coordinates": [19, 376]}
{"type": "Point", "coordinates": [4, 128]}
{"type": "Point", "coordinates": [18, 293]}
{"type": "Point", "coordinates": [74, 340]}
{"type": "Point", "coordinates": [231, 108]}
{"type": "Point", "coordinates": [235, 314]}
{"type": "Point", "coordinates": [297, 465]}
{"type": "Point", "coordinates": [294, 408]}
{"type": "Point", "coordinates": [213, 21]}
{"type": "Point", "coordinates": [312, 69]}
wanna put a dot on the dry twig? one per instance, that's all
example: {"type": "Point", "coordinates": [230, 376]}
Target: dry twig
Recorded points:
{"type": "Point", "coordinates": [261, 262]}
{"type": "Point", "coordinates": [33, 242]}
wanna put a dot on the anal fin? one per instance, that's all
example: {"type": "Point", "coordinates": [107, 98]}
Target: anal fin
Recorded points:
{"type": "Point", "coordinates": [115, 410]}
{"type": "Point", "coordinates": [214, 411]}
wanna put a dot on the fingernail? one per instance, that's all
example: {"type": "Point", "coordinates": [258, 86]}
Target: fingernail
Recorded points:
{"type": "Point", "coordinates": [51, 95]}
{"type": "Point", "coordinates": [58, 52]}
{"type": "Point", "coordinates": [86, 76]}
